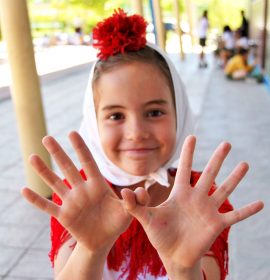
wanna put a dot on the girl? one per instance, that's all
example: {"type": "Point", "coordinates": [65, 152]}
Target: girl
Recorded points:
{"type": "Point", "coordinates": [135, 211]}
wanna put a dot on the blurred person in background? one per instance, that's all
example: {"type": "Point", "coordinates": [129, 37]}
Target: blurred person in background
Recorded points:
{"type": "Point", "coordinates": [238, 67]}
{"type": "Point", "coordinates": [203, 28]}
{"type": "Point", "coordinates": [244, 27]}
{"type": "Point", "coordinates": [241, 40]}
{"type": "Point", "coordinates": [227, 45]}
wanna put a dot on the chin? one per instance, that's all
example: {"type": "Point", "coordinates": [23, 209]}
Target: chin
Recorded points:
{"type": "Point", "coordinates": [139, 171]}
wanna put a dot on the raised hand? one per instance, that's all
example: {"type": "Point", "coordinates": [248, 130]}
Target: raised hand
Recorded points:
{"type": "Point", "coordinates": [90, 211]}
{"type": "Point", "coordinates": [183, 228]}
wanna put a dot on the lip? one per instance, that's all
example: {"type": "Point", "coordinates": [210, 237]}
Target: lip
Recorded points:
{"type": "Point", "coordinates": [138, 152]}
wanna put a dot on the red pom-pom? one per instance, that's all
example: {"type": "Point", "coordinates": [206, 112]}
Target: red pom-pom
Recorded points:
{"type": "Point", "coordinates": [119, 34]}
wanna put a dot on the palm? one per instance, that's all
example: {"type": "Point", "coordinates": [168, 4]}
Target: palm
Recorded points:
{"type": "Point", "coordinates": [90, 210]}
{"type": "Point", "coordinates": [178, 224]}
{"type": "Point", "coordinates": [93, 217]}
{"type": "Point", "coordinates": [184, 227]}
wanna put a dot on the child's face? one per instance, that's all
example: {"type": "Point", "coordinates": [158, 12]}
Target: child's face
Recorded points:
{"type": "Point", "coordinates": [136, 117]}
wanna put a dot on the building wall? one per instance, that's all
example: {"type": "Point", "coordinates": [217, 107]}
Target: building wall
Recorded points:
{"type": "Point", "coordinates": [257, 26]}
{"type": "Point", "coordinates": [260, 30]}
{"type": "Point", "coordinates": [267, 60]}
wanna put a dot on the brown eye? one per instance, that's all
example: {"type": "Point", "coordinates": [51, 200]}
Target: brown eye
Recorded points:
{"type": "Point", "coordinates": [154, 113]}
{"type": "Point", "coordinates": [116, 116]}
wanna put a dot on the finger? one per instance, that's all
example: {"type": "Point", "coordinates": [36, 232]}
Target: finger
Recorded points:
{"type": "Point", "coordinates": [129, 199]}
{"type": "Point", "coordinates": [185, 163]}
{"type": "Point", "coordinates": [243, 213]}
{"type": "Point", "coordinates": [212, 168]}
{"type": "Point", "coordinates": [133, 198]}
{"type": "Point", "coordinates": [84, 155]}
{"type": "Point", "coordinates": [142, 196]}
{"type": "Point", "coordinates": [48, 176]}
{"type": "Point", "coordinates": [66, 165]}
{"type": "Point", "coordinates": [40, 202]}
{"type": "Point", "coordinates": [229, 185]}
{"type": "Point", "coordinates": [141, 213]}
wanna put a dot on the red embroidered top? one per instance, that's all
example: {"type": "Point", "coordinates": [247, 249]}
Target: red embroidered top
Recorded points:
{"type": "Point", "coordinates": [135, 250]}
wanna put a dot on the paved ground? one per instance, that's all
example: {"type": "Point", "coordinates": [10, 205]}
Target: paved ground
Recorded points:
{"type": "Point", "coordinates": [237, 112]}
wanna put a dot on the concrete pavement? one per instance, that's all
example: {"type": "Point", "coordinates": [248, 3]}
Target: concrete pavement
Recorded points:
{"type": "Point", "coordinates": [239, 112]}
{"type": "Point", "coordinates": [233, 111]}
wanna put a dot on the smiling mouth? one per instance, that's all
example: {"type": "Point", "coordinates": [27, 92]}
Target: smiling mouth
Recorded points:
{"type": "Point", "coordinates": [138, 152]}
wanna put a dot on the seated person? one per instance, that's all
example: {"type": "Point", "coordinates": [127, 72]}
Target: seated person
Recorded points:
{"type": "Point", "coordinates": [241, 41]}
{"type": "Point", "coordinates": [238, 67]}
{"type": "Point", "coordinates": [227, 45]}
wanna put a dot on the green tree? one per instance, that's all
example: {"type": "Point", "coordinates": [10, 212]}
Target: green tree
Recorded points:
{"type": "Point", "coordinates": [222, 12]}
{"type": "Point", "coordinates": [59, 15]}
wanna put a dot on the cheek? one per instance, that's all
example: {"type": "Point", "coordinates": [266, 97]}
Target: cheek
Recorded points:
{"type": "Point", "coordinates": [109, 139]}
{"type": "Point", "coordinates": [169, 137]}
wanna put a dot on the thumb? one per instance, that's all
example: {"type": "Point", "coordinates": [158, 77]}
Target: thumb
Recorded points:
{"type": "Point", "coordinates": [142, 196]}
{"type": "Point", "coordinates": [135, 202]}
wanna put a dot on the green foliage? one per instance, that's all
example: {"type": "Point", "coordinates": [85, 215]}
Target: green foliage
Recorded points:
{"type": "Point", "coordinates": [168, 9]}
{"type": "Point", "coordinates": [222, 12]}
{"type": "Point", "coordinates": [50, 16]}
{"type": "Point", "coordinates": [168, 6]}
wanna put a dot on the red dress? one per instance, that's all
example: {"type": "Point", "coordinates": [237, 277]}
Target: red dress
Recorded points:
{"type": "Point", "coordinates": [134, 248]}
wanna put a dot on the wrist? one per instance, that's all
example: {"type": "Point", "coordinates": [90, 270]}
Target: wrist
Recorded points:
{"type": "Point", "coordinates": [100, 254]}
{"type": "Point", "coordinates": [176, 271]}
{"type": "Point", "coordinates": [83, 264]}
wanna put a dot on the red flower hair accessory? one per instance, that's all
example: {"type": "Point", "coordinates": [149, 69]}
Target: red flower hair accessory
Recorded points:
{"type": "Point", "coordinates": [119, 33]}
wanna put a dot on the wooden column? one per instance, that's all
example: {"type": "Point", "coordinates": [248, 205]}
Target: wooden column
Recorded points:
{"type": "Point", "coordinates": [137, 6]}
{"type": "Point", "coordinates": [25, 87]}
{"type": "Point", "coordinates": [190, 20]}
{"type": "Point", "coordinates": [178, 28]}
{"type": "Point", "coordinates": [160, 32]}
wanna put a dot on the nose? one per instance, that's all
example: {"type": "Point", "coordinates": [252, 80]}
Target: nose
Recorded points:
{"type": "Point", "coordinates": [137, 129]}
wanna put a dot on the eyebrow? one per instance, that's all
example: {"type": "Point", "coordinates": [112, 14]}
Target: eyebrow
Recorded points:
{"type": "Point", "coordinates": [112, 107]}
{"type": "Point", "coordinates": [157, 102]}
{"type": "Point", "coordinates": [152, 102]}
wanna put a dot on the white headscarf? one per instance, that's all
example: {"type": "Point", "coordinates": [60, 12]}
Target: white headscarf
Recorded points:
{"type": "Point", "coordinates": [115, 175]}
